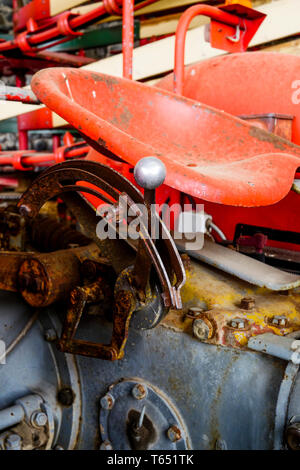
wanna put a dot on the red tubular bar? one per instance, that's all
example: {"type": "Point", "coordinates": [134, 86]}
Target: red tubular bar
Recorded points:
{"type": "Point", "coordinates": [9, 93]}
{"type": "Point", "coordinates": [182, 27]}
{"type": "Point", "coordinates": [27, 159]}
{"type": "Point", "coordinates": [127, 37]}
{"type": "Point", "coordinates": [23, 134]}
{"type": "Point", "coordinates": [27, 41]}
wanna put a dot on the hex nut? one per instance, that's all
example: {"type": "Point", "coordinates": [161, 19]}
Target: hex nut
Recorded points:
{"type": "Point", "coordinates": [139, 391]}
{"type": "Point", "coordinates": [174, 434]}
{"type": "Point", "coordinates": [279, 320]}
{"type": "Point", "coordinates": [238, 323]}
{"type": "Point", "coordinates": [247, 303]}
{"type": "Point", "coordinates": [107, 402]}
{"type": "Point", "coordinates": [39, 419]}
{"type": "Point", "coordinates": [13, 442]}
{"type": "Point", "coordinates": [50, 335]}
{"type": "Point", "coordinates": [203, 328]}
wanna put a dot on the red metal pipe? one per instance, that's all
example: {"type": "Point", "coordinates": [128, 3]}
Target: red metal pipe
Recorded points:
{"type": "Point", "coordinates": [182, 27]}
{"type": "Point", "coordinates": [55, 142]}
{"type": "Point", "coordinates": [22, 95]}
{"type": "Point", "coordinates": [28, 41]}
{"type": "Point", "coordinates": [23, 135]}
{"type": "Point", "coordinates": [30, 158]}
{"type": "Point", "coordinates": [127, 37]}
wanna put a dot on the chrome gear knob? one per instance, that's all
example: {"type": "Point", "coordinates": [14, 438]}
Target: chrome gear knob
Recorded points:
{"type": "Point", "coordinates": [150, 173]}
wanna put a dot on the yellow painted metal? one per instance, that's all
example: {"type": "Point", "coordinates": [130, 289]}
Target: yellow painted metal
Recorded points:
{"type": "Point", "coordinates": [219, 296]}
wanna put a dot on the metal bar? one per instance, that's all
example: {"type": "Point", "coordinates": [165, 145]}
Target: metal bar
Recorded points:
{"type": "Point", "coordinates": [128, 37]}
{"type": "Point", "coordinates": [10, 93]}
{"type": "Point", "coordinates": [277, 346]}
{"type": "Point", "coordinates": [11, 416]}
{"type": "Point", "coordinates": [183, 24]}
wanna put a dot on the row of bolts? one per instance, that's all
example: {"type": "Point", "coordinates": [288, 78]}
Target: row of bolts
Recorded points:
{"type": "Point", "coordinates": [139, 392]}
{"type": "Point", "coordinates": [203, 330]}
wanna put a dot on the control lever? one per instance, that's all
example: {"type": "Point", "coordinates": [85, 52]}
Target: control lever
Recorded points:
{"type": "Point", "coordinates": [149, 173]}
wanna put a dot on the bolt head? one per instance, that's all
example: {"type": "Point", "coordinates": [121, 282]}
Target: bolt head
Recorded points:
{"type": "Point", "coordinates": [202, 329]}
{"type": "Point", "coordinates": [174, 434]}
{"type": "Point", "coordinates": [13, 442]}
{"type": "Point", "coordinates": [107, 402]}
{"type": "Point", "coordinates": [238, 323]}
{"type": "Point", "coordinates": [139, 391]}
{"type": "Point", "coordinates": [39, 419]}
{"type": "Point", "coordinates": [150, 172]}
{"type": "Point", "coordinates": [279, 320]}
{"type": "Point", "coordinates": [50, 335]}
{"type": "Point", "coordinates": [247, 303]}
{"type": "Point", "coordinates": [106, 445]}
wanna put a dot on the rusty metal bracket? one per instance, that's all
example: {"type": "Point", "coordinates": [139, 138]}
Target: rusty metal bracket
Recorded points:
{"type": "Point", "coordinates": [125, 304]}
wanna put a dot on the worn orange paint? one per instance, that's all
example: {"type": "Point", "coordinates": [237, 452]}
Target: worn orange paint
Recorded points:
{"type": "Point", "coordinates": [208, 153]}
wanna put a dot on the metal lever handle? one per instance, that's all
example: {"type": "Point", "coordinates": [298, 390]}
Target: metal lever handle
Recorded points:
{"type": "Point", "coordinates": [149, 173]}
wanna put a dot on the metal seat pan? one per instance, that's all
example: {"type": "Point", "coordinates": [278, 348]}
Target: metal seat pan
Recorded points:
{"type": "Point", "coordinates": [208, 153]}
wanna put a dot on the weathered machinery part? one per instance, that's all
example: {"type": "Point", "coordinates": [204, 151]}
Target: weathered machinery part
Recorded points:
{"type": "Point", "coordinates": [223, 310]}
{"type": "Point", "coordinates": [9, 268]}
{"type": "Point", "coordinates": [19, 337]}
{"type": "Point", "coordinates": [124, 305]}
{"type": "Point", "coordinates": [47, 234]}
{"type": "Point", "coordinates": [35, 367]}
{"type": "Point", "coordinates": [132, 289]}
{"type": "Point", "coordinates": [212, 387]}
{"type": "Point", "coordinates": [12, 233]}
{"type": "Point", "coordinates": [58, 180]}
{"type": "Point", "coordinates": [120, 254]}
{"type": "Point", "coordinates": [147, 416]}
{"type": "Point", "coordinates": [46, 278]}
{"type": "Point", "coordinates": [31, 424]}
{"type": "Point", "coordinates": [149, 314]}
{"type": "Point", "coordinates": [243, 267]}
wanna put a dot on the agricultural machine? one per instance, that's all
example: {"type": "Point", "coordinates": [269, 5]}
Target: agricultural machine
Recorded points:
{"type": "Point", "coordinates": [117, 333]}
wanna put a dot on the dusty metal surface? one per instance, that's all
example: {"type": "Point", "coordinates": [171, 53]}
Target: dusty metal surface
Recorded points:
{"type": "Point", "coordinates": [221, 310]}
{"type": "Point", "coordinates": [45, 278]}
{"type": "Point", "coordinates": [243, 267]}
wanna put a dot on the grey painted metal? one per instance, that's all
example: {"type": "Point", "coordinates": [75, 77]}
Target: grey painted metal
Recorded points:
{"type": "Point", "coordinates": [282, 404]}
{"type": "Point", "coordinates": [13, 442]}
{"type": "Point", "coordinates": [11, 416]}
{"type": "Point", "coordinates": [277, 346]}
{"type": "Point", "coordinates": [242, 266]}
{"type": "Point", "coordinates": [161, 412]}
{"type": "Point", "coordinates": [221, 394]}
{"type": "Point", "coordinates": [293, 411]}
{"type": "Point", "coordinates": [35, 365]}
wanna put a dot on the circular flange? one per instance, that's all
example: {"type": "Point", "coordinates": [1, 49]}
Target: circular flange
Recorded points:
{"type": "Point", "coordinates": [118, 425]}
